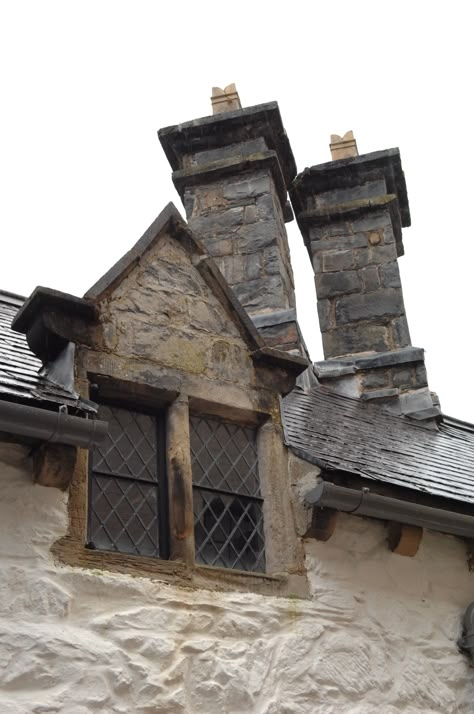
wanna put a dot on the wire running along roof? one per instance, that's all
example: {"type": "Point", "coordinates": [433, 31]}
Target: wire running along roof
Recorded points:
{"type": "Point", "coordinates": [338, 433]}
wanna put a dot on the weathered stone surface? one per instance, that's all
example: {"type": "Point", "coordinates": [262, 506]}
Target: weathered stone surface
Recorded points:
{"type": "Point", "coordinates": [331, 284]}
{"type": "Point", "coordinates": [383, 303]}
{"type": "Point", "coordinates": [390, 275]}
{"type": "Point", "coordinates": [369, 278]}
{"type": "Point", "coordinates": [339, 242]}
{"type": "Point", "coordinates": [324, 314]}
{"type": "Point", "coordinates": [421, 377]}
{"type": "Point", "coordinates": [375, 379]}
{"type": "Point", "coordinates": [372, 221]}
{"type": "Point", "coordinates": [345, 195]}
{"type": "Point", "coordinates": [252, 187]}
{"type": "Point", "coordinates": [256, 237]}
{"type": "Point", "coordinates": [337, 260]}
{"type": "Point", "coordinates": [400, 332]}
{"type": "Point", "coordinates": [402, 376]}
{"type": "Point", "coordinates": [261, 294]}
{"type": "Point", "coordinates": [350, 339]}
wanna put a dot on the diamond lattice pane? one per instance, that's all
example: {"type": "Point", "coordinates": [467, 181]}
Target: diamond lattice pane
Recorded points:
{"type": "Point", "coordinates": [228, 531]}
{"type": "Point", "coordinates": [130, 447]}
{"type": "Point", "coordinates": [123, 515]}
{"type": "Point", "coordinates": [224, 456]}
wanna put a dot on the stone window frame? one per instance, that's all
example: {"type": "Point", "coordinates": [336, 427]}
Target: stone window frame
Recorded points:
{"type": "Point", "coordinates": [181, 568]}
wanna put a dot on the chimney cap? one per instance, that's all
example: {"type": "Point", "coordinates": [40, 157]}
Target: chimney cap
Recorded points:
{"type": "Point", "coordinates": [343, 147]}
{"type": "Point", "coordinates": [225, 100]}
{"type": "Point", "coordinates": [214, 132]}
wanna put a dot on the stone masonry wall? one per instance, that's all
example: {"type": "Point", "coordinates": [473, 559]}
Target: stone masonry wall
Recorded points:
{"type": "Point", "coordinates": [360, 300]}
{"type": "Point", "coordinates": [240, 221]}
{"type": "Point", "coordinates": [378, 633]}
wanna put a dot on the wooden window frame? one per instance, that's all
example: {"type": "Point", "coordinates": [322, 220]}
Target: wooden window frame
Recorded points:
{"type": "Point", "coordinates": [181, 568]}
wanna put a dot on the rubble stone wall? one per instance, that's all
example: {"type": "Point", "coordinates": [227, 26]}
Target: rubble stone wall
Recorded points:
{"type": "Point", "coordinates": [378, 633]}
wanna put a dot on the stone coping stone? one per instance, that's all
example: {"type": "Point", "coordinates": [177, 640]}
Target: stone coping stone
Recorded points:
{"type": "Point", "coordinates": [345, 173]}
{"type": "Point", "coordinates": [212, 132]}
{"type": "Point", "coordinates": [338, 367]}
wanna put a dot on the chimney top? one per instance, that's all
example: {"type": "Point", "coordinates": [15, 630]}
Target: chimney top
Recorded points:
{"type": "Point", "coordinates": [343, 147]}
{"type": "Point", "coordinates": [225, 100]}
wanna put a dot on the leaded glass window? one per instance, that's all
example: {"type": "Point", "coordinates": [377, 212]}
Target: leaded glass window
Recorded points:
{"type": "Point", "coordinates": [127, 487]}
{"type": "Point", "coordinates": [228, 507]}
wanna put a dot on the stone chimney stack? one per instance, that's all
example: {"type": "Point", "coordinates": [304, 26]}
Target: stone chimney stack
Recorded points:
{"type": "Point", "coordinates": [351, 212]}
{"type": "Point", "coordinates": [232, 171]}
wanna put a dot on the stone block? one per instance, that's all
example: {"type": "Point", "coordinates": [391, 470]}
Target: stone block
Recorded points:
{"type": "Point", "coordinates": [402, 377]}
{"type": "Point", "coordinates": [218, 246]}
{"type": "Point", "coordinates": [350, 339]}
{"type": "Point", "coordinates": [253, 266]}
{"type": "Point", "coordinates": [265, 207]}
{"type": "Point", "coordinates": [388, 235]}
{"type": "Point", "coordinates": [256, 237]}
{"type": "Point", "coordinates": [324, 314]}
{"type": "Point", "coordinates": [382, 303]}
{"type": "Point", "coordinates": [331, 284]}
{"type": "Point", "coordinates": [369, 278]}
{"type": "Point", "coordinates": [375, 379]}
{"type": "Point", "coordinates": [251, 214]}
{"type": "Point", "coordinates": [232, 268]}
{"type": "Point", "coordinates": [272, 261]}
{"type": "Point", "coordinates": [330, 230]}
{"type": "Point", "coordinates": [233, 151]}
{"type": "Point", "coordinates": [188, 202]}
{"type": "Point", "coordinates": [390, 275]}
{"type": "Point", "coordinates": [208, 198]}
{"type": "Point", "coordinates": [400, 332]}
{"type": "Point", "coordinates": [382, 254]}
{"type": "Point", "coordinates": [251, 187]}
{"type": "Point", "coordinates": [421, 378]}
{"type": "Point", "coordinates": [354, 193]}
{"type": "Point", "coordinates": [337, 260]}
{"type": "Point", "coordinates": [260, 294]}
{"type": "Point", "coordinates": [372, 221]}
{"type": "Point", "coordinates": [228, 219]}
{"type": "Point", "coordinates": [339, 242]}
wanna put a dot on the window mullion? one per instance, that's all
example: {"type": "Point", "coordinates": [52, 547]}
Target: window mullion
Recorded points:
{"type": "Point", "coordinates": [180, 482]}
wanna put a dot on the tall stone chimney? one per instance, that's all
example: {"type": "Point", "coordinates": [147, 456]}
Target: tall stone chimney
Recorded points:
{"type": "Point", "coordinates": [351, 212]}
{"type": "Point", "coordinates": [232, 171]}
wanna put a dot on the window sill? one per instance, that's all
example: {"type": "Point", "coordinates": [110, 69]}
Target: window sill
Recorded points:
{"type": "Point", "coordinates": [71, 551]}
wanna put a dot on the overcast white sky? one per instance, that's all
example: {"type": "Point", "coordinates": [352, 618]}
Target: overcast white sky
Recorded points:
{"type": "Point", "coordinates": [85, 86]}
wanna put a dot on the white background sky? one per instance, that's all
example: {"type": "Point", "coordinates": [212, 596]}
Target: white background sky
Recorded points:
{"type": "Point", "coordinates": [84, 86]}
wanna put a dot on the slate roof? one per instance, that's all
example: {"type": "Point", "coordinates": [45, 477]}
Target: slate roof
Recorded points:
{"type": "Point", "coordinates": [19, 367]}
{"type": "Point", "coordinates": [338, 433]}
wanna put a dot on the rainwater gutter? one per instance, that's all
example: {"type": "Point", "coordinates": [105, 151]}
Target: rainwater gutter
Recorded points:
{"type": "Point", "coordinates": [58, 427]}
{"type": "Point", "coordinates": [364, 503]}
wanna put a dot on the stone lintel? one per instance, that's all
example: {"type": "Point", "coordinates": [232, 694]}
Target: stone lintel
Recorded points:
{"type": "Point", "coordinates": [351, 210]}
{"type": "Point", "coordinates": [351, 172]}
{"type": "Point", "coordinates": [213, 132]}
{"type": "Point", "coordinates": [334, 368]}
{"type": "Point", "coordinates": [217, 170]}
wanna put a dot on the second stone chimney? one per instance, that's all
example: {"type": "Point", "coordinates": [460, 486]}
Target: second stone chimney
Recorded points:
{"type": "Point", "coordinates": [232, 171]}
{"type": "Point", "coordinates": [351, 212]}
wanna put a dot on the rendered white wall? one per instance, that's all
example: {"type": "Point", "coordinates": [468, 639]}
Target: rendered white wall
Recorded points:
{"type": "Point", "coordinates": [378, 634]}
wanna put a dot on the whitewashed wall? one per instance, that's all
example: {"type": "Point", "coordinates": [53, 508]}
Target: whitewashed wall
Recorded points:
{"type": "Point", "coordinates": [378, 634]}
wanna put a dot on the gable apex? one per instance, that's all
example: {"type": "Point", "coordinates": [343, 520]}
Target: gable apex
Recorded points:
{"type": "Point", "coordinates": [170, 220]}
